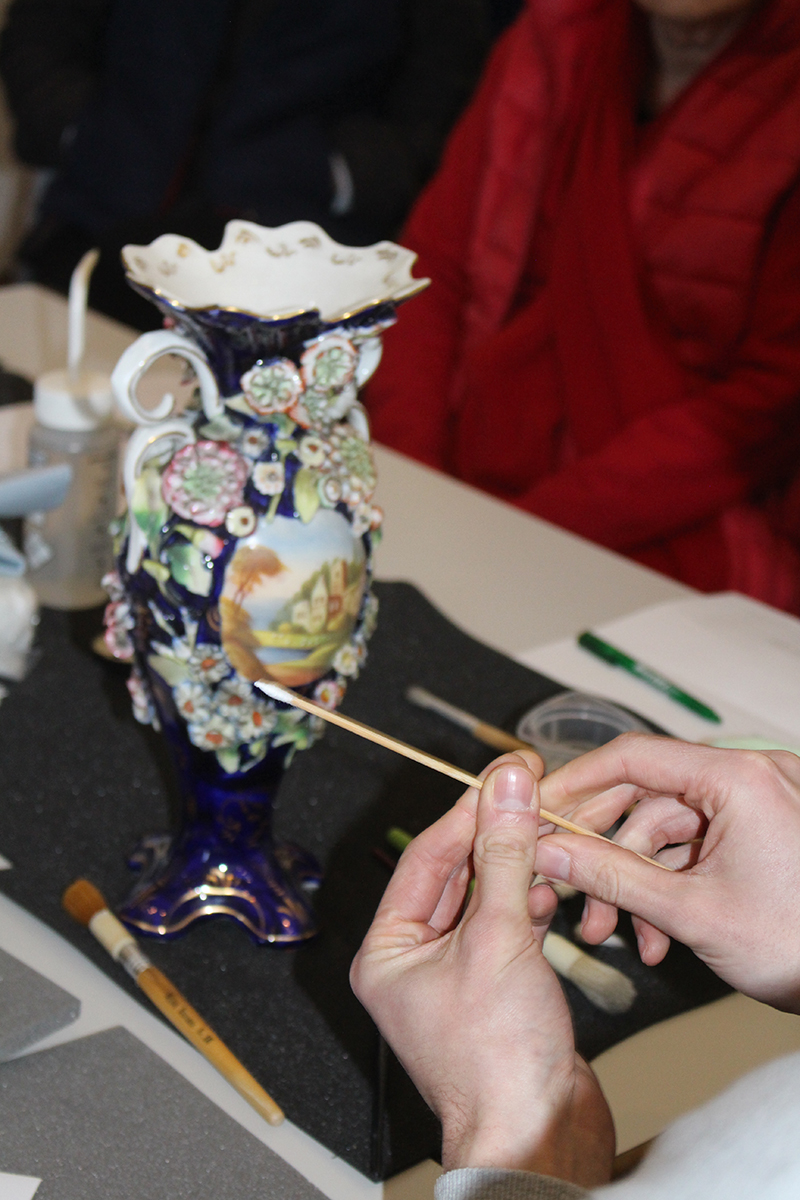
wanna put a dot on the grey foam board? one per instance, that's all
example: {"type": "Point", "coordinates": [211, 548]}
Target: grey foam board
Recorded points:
{"type": "Point", "coordinates": [31, 1006]}
{"type": "Point", "coordinates": [104, 1118]}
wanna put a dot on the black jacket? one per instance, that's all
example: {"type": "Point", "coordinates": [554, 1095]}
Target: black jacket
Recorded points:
{"type": "Point", "coordinates": [238, 104]}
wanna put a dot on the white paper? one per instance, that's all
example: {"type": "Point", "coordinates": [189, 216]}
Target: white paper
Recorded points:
{"type": "Point", "coordinates": [740, 657]}
{"type": "Point", "coordinates": [17, 1187]}
{"type": "Point", "coordinates": [5, 865]}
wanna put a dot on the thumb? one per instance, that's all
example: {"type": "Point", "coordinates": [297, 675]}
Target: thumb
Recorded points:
{"type": "Point", "coordinates": [504, 851]}
{"type": "Point", "coordinates": [608, 872]}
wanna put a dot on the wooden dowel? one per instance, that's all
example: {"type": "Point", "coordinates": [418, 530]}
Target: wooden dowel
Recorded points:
{"type": "Point", "coordinates": [277, 692]}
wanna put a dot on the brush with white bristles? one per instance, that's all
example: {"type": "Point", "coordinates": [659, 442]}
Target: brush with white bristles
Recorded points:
{"type": "Point", "coordinates": [604, 985]}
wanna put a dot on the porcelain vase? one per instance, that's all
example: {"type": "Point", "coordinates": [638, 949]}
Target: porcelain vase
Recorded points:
{"type": "Point", "coordinates": [247, 546]}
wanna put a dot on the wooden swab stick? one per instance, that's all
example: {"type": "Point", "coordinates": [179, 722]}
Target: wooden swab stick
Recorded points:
{"type": "Point", "coordinates": [490, 735]}
{"type": "Point", "coordinates": [276, 692]}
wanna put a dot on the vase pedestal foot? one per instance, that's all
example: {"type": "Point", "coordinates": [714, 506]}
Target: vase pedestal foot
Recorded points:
{"type": "Point", "coordinates": [265, 888]}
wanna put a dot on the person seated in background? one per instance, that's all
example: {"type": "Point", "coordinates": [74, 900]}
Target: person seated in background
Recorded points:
{"type": "Point", "coordinates": [611, 339]}
{"type": "Point", "coordinates": [177, 117]}
{"type": "Point", "coordinates": [479, 1020]}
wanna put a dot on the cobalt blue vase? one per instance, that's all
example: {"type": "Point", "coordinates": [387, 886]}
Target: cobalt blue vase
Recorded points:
{"type": "Point", "coordinates": [246, 551]}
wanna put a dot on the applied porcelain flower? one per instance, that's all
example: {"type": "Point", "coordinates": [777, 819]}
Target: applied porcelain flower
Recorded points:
{"type": "Point", "coordinates": [269, 478]}
{"type": "Point", "coordinates": [240, 521]}
{"type": "Point", "coordinates": [204, 481]}
{"type": "Point", "coordinates": [272, 387]}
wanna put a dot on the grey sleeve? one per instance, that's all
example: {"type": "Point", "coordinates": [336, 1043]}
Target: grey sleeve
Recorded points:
{"type": "Point", "coordinates": [488, 1183]}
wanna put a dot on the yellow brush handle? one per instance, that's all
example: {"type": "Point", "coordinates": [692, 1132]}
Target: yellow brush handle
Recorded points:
{"type": "Point", "coordinates": [175, 1008]}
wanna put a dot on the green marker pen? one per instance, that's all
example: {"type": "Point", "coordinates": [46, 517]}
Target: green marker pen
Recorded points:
{"type": "Point", "coordinates": [618, 658]}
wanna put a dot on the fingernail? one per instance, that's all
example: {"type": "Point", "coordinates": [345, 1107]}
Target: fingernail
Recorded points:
{"type": "Point", "coordinates": [552, 861]}
{"type": "Point", "coordinates": [512, 790]}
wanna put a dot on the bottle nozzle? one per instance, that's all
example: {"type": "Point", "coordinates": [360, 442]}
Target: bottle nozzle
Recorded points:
{"type": "Point", "coordinates": [78, 299]}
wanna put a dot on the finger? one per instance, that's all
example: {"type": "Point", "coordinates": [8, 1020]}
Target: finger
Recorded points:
{"type": "Point", "coordinates": [428, 867]}
{"type": "Point", "coordinates": [609, 873]}
{"type": "Point", "coordinates": [653, 765]}
{"type": "Point", "coordinates": [505, 846]}
{"type": "Point", "coordinates": [451, 904]}
{"type": "Point", "coordinates": [653, 943]}
{"type": "Point", "coordinates": [660, 821]}
{"type": "Point", "coordinates": [599, 811]}
{"type": "Point", "coordinates": [788, 762]}
{"type": "Point", "coordinates": [430, 874]}
{"type": "Point", "coordinates": [598, 921]}
{"type": "Point", "coordinates": [542, 905]}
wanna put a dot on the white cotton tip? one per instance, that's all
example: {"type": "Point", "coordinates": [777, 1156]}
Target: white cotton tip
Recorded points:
{"type": "Point", "coordinates": [275, 691]}
{"type": "Point", "coordinates": [605, 986]}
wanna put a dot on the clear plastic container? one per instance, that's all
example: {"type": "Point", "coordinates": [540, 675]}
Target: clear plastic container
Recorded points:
{"type": "Point", "coordinates": [69, 549]}
{"type": "Point", "coordinates": [573, 723]}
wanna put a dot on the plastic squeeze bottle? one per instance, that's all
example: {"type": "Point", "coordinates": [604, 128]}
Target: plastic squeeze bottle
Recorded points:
{"type": "Point", "coordinates": [69, 549]}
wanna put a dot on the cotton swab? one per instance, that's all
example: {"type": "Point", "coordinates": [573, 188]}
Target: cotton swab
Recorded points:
{"type": "Point", "coordinates": [276, 692]}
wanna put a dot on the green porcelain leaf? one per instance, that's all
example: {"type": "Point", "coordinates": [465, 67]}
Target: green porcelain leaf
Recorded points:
{"type": "Point", "coordinates": [285, 425]}
{"type": "Point", "coordinates": [149, 507]}
{"type": "Point", "coordinates": [188, 568]}
{"type": "Point", "coordinates": [221, 429]}
{"type": "Point", "coordinates": [229, 760]}
{"type": "Point", "coordinates": [156, 569]}
{"type": "Point", "coordinates": [257, 751]}
{"type": "Point", "coordinates": [239, 404]}
{"type": "Point", "coordinates": [306, 496]}
{"type": "Point", "coordinates": [170, 670]}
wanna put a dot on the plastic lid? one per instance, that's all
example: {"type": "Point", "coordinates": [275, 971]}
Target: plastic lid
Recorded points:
{"type": "Point", "coordinates": [77, 403]}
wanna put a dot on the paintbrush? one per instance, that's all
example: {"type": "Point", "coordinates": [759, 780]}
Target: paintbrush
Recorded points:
{"type": "Point", "coordinates": [490, 735]}
{"type": "Point", "coordinates": [276, 692]}
{"type": "Point", "coordinates": [85, 903]}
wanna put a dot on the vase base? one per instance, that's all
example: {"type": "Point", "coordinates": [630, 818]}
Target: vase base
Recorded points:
{"type": "Point", "coordinates": [264, 889]}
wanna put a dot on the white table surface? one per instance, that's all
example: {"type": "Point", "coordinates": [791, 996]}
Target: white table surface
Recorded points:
{"type": "Point", "coordinates": [513, 581]}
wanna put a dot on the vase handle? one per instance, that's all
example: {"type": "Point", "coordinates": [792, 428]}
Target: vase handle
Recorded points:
{"type": "Point", "coordinates": [140, 356]}
{"type": "Point", "coordinates": [144, 443]}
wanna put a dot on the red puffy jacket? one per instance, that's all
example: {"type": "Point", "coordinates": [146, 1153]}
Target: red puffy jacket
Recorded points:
{"type": "Point", "coordinates": [612, 336]}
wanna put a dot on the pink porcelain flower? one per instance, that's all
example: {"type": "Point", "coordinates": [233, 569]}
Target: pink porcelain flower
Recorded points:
{"type": "Point", "coordinates": [204, 481]}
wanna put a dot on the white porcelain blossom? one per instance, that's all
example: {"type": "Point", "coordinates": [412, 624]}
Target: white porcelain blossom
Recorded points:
{"type": "Point", "coordinates": [240, 521]}
{"type": "Point", "coordinates": [253, 442]}
{"type": "Point", "coordinates": [269, 478]}
{"type": "Point", "coordinates": [193, 701]}
{"type": "Point", "coordinates": [328, 693]}
{"type": "Point", "coordinates": [312, 450]}
{"type": "Point", "coordinates": [207, 663]}
{"type": "Point", "coordinates": [346, 660]}
{"type": "Point", "coordinates": [216, 733]}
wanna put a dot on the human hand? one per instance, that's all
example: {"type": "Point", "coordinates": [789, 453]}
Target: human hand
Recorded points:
{"type": "Point", "coordinates": [733, 898]}
{"type": "Point", "coordinates": [469, 1004]}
